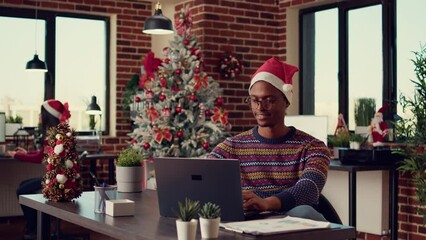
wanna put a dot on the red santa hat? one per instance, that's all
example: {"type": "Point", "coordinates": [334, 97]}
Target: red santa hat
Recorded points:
{"type": "Point", "coordinates": [384, 108]}
{"type": "Point", "coordinates": [278, 74]}
{"type": "Point", "coordinates": [57, 109]}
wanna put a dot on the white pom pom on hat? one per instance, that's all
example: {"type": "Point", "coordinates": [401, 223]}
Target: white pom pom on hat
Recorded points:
{"type": "Point", "coordinates": [278, 74]}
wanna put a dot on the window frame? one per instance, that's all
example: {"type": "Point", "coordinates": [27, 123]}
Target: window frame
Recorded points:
{"type": "Point", "coordinates": [50, 48]}
{"type": "Point", "coordinates": [306, 63]}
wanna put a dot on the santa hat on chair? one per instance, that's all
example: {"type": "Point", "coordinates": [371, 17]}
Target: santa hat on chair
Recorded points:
{"type": "Point", "coordinates": [278, 74]}
{"type": "Point", "coordinates": [57, 109]}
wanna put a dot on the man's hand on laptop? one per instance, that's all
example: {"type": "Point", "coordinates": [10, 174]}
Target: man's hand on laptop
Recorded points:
{"type": "Point", "coordinates": [252, 201]}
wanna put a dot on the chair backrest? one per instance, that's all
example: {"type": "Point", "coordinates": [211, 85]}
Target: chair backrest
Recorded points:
{"type": "Point", "coordinates": [327, 210]}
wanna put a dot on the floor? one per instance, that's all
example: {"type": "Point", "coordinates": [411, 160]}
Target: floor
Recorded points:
{"type": "Point", "coordinates": [13, 228]}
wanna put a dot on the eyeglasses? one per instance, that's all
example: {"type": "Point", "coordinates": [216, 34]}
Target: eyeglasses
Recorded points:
{"type": "Point", "coordinates": [266, 103]}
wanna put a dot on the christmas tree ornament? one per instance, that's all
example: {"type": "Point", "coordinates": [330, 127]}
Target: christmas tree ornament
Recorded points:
{"type": "Point", "coordinates": [162, 97]}
{"type": "Point", "coordinates": [137, 99]}
{"type": "Point", "coordinates": [178, 109]}
{"type": "Point", "coordinates": [193, 97]}
{"type": "Point", "coordinates": [205, 145]}
{"type": "Point", "coordinates": [207, 112]}
{"type": "Point", "coordinates": [149, 95]}
{"type": "Point", "coordinates": [165, 112]}
{"type": "Point", "coordinates": [179, 134]}
{"type": "Point", "coordinates": [178, 71]}
{"type": "Point", "coordinates": [186, 41]}
{"type": "Point", "coordinates": [146, 145]}
{"type": "Point", "coordinates": [166, 61]}
{"type": "Point", "coordinates": [197, 70]}
{"type": "Point", "coordinates": [219, 101]}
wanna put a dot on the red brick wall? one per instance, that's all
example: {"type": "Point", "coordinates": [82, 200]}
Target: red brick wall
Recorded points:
{"type": "Point", "coordinates": [253, 30]}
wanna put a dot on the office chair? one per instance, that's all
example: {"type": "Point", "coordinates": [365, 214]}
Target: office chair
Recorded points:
{"type": "Point", "coordinates": [327, 210]}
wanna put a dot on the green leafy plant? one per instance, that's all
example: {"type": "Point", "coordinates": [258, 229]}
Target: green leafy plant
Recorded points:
{"type": "Point", "coordinates": [353, 137]}
{"type": "Point", "coordinates": [210, 211]}
{"type": "Point", "coordinates": [364, 111]}
{"type": "Point", "coordinates": [188, 211]}
{"type": "Point", "coordinates": [130, 91]}
{"type": "Point", "coordinates": [16, 119]}
{"type": "Point", "coordinates": [413, 130]}
{"type": "Point", "coordinates": [129, 157]}
{"type": "Point", "coordinates": [339, 140]}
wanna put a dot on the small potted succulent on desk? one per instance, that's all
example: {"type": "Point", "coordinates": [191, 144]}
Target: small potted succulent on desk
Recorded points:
{"type": "Point", "coordinates": [355, 141]}
{"type": "Point", "coordinates": [129, 171]}
{"type": "Point", "coordinates": [186, 224]}
{"type": "Point", "coordinates": [209, 220]}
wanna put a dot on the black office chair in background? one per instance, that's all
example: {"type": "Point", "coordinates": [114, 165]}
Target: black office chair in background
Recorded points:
{"type": "Point", "coordinates": [327, 210]}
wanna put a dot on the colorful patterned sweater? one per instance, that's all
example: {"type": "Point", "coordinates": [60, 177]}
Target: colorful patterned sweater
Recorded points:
{"type": "Point", "coordinates": [293, 167]}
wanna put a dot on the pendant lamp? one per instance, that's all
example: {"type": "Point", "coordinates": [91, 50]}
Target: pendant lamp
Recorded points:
{"type": "Point", "coordinates": [158, 24]}
{"type": "Point", "coordinates": [36, 65]}
{"type": "Point", "coordinates": [93, 108]}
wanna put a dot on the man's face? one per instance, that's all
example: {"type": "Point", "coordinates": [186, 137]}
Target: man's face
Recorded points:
{"type": "Point", "coordinates": [268, 104]}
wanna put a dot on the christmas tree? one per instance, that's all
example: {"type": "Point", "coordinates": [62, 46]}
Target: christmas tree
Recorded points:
{"type": "Point", "coordinates": [62, 181]}
{"type": "Point", "coordinates": [177, 109]}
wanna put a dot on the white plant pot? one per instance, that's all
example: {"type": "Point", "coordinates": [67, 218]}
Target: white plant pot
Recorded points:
{"type": "Point", "coordinates": [186, 230]}
{"type": "Point", "coordinates": [354, 145]}
{"type": "Point", "coordinates": [209, 227]}
{"type": "Point", "coordinates": [129, 179]}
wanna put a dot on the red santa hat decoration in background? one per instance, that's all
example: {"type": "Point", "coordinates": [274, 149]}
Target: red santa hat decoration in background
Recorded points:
{"type": "Point", "coordinates": [57, 109]}
{"type": "Point", "coordinates": [278, 74]}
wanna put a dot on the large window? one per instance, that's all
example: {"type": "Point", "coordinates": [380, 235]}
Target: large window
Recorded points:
{"type": "Point", "coordinates": [344, 57]}
{"type": "Point", "coordinates": [75, 49]}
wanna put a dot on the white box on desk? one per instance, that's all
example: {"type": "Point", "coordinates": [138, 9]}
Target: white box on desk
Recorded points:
{"type": "Point", "coordinates": [119, 207]}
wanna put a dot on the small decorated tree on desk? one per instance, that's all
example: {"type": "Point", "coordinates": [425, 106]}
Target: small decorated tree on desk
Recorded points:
{"type": "Point", "coordinates": [62, 181]}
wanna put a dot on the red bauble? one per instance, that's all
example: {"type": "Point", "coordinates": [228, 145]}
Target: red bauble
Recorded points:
{"type": "Point", "coordinates": [178, 109]}
{"type": "Point", "coordinates": [205, 145]}
{"type": "Point", "coordinates": [146, 146]}
{"type": "Point", "coordinates": [197, 70]}
{"type": "Point", "coordinates": [207, 112]}
{"type": "Point", "coordinates": [178, 71]}
{"type": "Point", "coordinates": [193, 97]}
{"type": "Point", "coordinates": [179, 134]}
{"type": "Point", "coordinates": [134, 142]}
{"type": "Point", "coordinates": [186, 41]}
{"type": "Point", "coordinates": [166, 61]}
{"type": "Point", "coordinates": [219, 101]}
{"type": "Point", "coordinates": [162, 97]}
{"type": "Point", "coordinates": [137, 99]}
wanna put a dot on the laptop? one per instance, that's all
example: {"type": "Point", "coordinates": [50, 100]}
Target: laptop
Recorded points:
{"type": "Point", "coordinates": [206, 180]}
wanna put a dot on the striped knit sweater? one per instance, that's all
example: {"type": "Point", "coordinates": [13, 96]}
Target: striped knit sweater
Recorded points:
{"type": "Point", "coordinates": [293, 167]}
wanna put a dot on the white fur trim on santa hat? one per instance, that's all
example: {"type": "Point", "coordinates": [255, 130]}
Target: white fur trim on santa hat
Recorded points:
{"type": "Point", "coordinates": [51, 110]}
{"type": "Point", "coordinates": [275, 81]}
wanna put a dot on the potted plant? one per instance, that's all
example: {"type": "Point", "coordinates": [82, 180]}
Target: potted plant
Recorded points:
{"type": "Point", "coordinates": [355, 141]}
{"type": "Point", "coordinates": [209, 220]}
{"type": "Point", "coordinates": [338, 141]}
{"type": "Point", "coordinates": [129, 171]}
{"type": "Point", "coordinates": [413, 132]}
{"type": "Point", "coordinates": [365, 109]}
{"type": "Point", "coordinates": [13, 124]}
{"type": "Point", "coordinates": [186, 224]}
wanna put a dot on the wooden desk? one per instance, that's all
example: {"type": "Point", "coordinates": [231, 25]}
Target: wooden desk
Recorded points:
{"type": "Point", "coordinates": [393, 191]}
{"type": "Point", "coordinates": [146, 223]}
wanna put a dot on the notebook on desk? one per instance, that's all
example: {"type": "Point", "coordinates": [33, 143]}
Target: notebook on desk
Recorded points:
{"type": "Point", "coordinates": [206, 180]}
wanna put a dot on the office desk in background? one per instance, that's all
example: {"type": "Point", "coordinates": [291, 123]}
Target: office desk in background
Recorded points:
{"type": "Point", "coordinates": [93, 158]}
{"type": "Point", "coordinates": [393, 190]}
{"type": "Point", "coordinates": [12, 173]}
{"type": "Point", "coordinates": [146, 223]}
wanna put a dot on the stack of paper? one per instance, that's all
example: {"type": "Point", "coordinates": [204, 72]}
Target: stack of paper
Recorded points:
{"type": "Point", "coordinates": [274, 225]}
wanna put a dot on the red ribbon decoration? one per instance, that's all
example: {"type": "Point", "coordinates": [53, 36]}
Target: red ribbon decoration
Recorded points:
{"type": "Point", "coordinates": [161, 134]}
{"type": "Point", "coordinates": [220, 115]}
{"type": "Point", "coordinates": [152, 114]}
{"type": "Point", "coordinates": [200, 81]}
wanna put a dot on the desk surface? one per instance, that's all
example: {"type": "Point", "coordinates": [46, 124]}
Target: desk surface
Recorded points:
{"type": "Point", "coordinates": [146, 223]}
{"type": "Point", "coordinates": [338, 166]}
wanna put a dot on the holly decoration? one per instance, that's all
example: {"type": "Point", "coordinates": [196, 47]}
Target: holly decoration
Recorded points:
{"type": "Point", "coordinates": [62, 181]}
{"type": "Point", "coordinates": [177, 98]}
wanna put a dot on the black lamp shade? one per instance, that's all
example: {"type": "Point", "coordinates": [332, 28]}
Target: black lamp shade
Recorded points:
{"type": "Point", "coordinates": [36, 65]}
{"type": "Point", "coordinates": [93, 108]}
{"type": "Point", "coordinates": [158, 24]}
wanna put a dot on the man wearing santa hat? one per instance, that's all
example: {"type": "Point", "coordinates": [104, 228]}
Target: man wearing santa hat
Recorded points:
{"type": "Point", "coordinates": [52, 113]}
{"type": "Point", "coordinates": [282, 168]}
{"type": "Point", "coordinates": [378, 128]}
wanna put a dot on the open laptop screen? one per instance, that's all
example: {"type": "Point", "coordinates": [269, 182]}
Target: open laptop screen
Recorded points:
{"type": "Point", "coordinates": [206, 180]}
